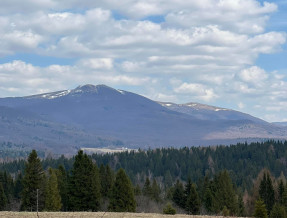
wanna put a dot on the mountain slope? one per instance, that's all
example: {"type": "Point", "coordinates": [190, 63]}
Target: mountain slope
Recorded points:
{"type": "Point", "coordinates": [93, 116]}
{"type": "Point", "coordinates": [207, 112]}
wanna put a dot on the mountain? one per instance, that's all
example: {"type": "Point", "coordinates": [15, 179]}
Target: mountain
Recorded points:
{"type": "Point", "coordinates": [207, 112]}
{"type": "Point", "coordinates": [96, 116]}
{"type": "Point", "coordinates": [282, 124]}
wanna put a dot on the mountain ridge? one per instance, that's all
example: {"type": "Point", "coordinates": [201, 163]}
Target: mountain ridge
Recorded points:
{"type": "Point", "coordinates": [94, 116]}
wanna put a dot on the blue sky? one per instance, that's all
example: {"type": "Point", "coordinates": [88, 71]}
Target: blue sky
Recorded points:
{"type": "Point", "coordinates": [227, 53]}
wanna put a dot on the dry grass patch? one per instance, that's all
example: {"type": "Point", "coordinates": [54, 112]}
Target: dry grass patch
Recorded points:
{"type": "Point", "coordinates": [95, 215]}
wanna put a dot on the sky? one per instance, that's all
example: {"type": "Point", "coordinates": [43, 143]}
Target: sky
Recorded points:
{"type": "Point", "coordinates": [227, 53]}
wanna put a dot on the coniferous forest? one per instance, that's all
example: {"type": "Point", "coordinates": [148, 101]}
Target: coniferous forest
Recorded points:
{"type": "Point", "coordinates": [236, 180]}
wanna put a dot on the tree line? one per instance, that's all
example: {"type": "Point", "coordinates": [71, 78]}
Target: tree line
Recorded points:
{"type": "Point", "coordinates": [188, 180]}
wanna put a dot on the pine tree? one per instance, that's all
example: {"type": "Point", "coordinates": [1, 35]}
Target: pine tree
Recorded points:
{"type": "Point", "coordinates": [122, 195]}
{"type": "Point", "coordinates": [260, 209]}
{"type": "Point", "coordinates": [137, 190]}
{"type": "Point", "coordinates": [167, 179]}
{"type": "Point", "coordinates": [281, 190]}
{"type": "Point", "coordinates": [193, 201]}
{"type": "Point", "coordinates": [241, 207]}
{"type": "Point", "coordinates": [33, 179]}
{"type": "Point", "coordinates": [224, 194]}
{"type": "Point", "coordinates": [208, 200]}
{"type": "Point", "coordinates": [3, 199]}
{"type": "Point", "coordinates": [52, 197]}
{"type": "Point", "coordinates": [147, 188]}
{"type": "Point", "coordinates": [84, 185]}
{"type": "Point", "coordinates": [155, 191]}
{"type": "Point", "coordinates": [18, 186]}
{"type": "Point", "coordinates": [106, 176]}
{"type": "Point", "coordinates": [284, 198]}
{"type": "Point", "coordinates": [178, 194]}
{"type": "Point", "coordinates": [266, 192]}
{"type": "Point", "coordinates": [63, 186]}
{"type": "Point", "coordinates": [187, 189]}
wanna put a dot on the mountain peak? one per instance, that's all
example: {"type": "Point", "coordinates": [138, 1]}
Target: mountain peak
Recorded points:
{"type": "Point", "coordinates": [89, 88]}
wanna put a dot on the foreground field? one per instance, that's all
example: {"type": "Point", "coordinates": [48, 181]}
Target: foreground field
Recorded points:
{"type": "Point", "coordinates": [94, 215]}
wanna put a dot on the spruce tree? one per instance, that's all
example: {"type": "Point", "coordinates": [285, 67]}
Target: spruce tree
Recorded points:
{"type": "Point", "coordinates": [33, 179]}
{"type": "Point", "coordinates": [178, 195]}
{"type": "Point", "coordinates": [187, 189]}
{"type": "Point", "coordinates": [284, 198]}
{"type": "Point", "coordinates": [224, 194]}
{"type": "Point", "coordinates": [155, 191]}
{"type": "Point", "coordinates": [106, 176]}
{"type": "Point", "coordinates": [260, 209]}
{"type": "Point", "coordinates": [3, 199]}
{"type": "Point", "coordinates": [52, 197]}
{"type": "Point", "coordinates": [193, 201]}
{"type": "Point", "coordinates": [147, 188]}
{"type": "Point", "coordinates": [84, 185]}
{"type": "Point", "coordinates": [266, 192]}
{"type": "Point", "coordinates": [281, 190]}
{"type": "Point", "coordinates": [208, 200]}
{"type": "Point", "coordinates": [18, 186]}
{"type": "Point", "coordinates": [62, 178]}
{"type": "Point", "coordinates": [122, 195]}
{"type": "Point", "coordinates": [241, 207]}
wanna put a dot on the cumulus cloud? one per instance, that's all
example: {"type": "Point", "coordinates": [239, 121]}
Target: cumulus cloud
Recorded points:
{"type": "Point", "coordinates": [20, 78]}
{"type": "Point", "coordinates": [196, 90]}
{"type": "Point", "coordinates": [201, 51]}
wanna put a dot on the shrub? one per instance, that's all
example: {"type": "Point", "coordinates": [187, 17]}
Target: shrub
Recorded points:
{"type": "Point", "coordinates": [168, 209]}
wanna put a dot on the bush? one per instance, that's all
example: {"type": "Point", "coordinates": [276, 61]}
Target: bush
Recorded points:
{"type": "Point", "coordinates": [168, 209]}
{"type": "Point", "coordinates": [225, 211]}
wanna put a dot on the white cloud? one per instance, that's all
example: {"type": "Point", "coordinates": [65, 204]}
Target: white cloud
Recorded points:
{"type": "Point", "coordinates": [203, 50]}
{"type": "Point", "coordinates": [240, 105]}
{"type": "Point", "coordinates": [20, 78]}
{"type": "Point", "coordinates": [196, 90]}
{"type": "Point", "coordinates": [97, 63]}
{"type": "Point", "coordinates": [253, 75]}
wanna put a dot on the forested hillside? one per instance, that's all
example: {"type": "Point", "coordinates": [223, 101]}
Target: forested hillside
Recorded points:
{"type": "Point", "coordinates": [234, 180]}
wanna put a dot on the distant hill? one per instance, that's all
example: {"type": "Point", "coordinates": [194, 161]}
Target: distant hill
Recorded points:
{"type": "Point", "coordinates": [283, 124]}
{"type": "Point", "coordinates": [97, 116]}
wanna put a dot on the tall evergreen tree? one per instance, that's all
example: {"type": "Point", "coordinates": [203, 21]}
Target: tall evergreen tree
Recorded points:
{"type": "Point", "coordinates": [187, 189]}
{"type": "Point", "coordinates": [241, 207]}
{"type": "Point", "coordinates": [62, 179]}
{"type": "Point", "coordinates": [84, 185]}
{"type": "Point", "coordinates": [155, 191]}
{"type": "Point", "coordinates": [3, 199]}
{"type": "Point", "coordinates": [224, 193]}
{"type": "Point", "coordinates": [147, 188]}
{"type": "Point", "coordinates": [18, 186]}
{"type": "Point", "coordinates": [122, 195]}
{"type": "Point", "coordinates": [208, 200]}
{"type": "Point", "coordinates": [107, 180]}
{"type": "Point", "coordinates": [266, 192]}
{"type": "Point", "coordinates": [193, 201]}
{"type": "Point", "coordinates": [33, 179]}
{"type": "Point", "coordinates": [281, 190]}
{"type": "Point", "coordinates": [52, 197]}
{"type": "Point", "coordinates": [284, 198]}
{"type": "Point", "coordinates": [178, 195]}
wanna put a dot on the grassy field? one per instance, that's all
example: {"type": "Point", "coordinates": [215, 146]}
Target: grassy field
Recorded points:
{"type": "Point", "coordinates": [94, 215]}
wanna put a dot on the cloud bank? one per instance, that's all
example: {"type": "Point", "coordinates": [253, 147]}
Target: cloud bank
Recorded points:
{"type": "Point", "coordinates": [167, 50]}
